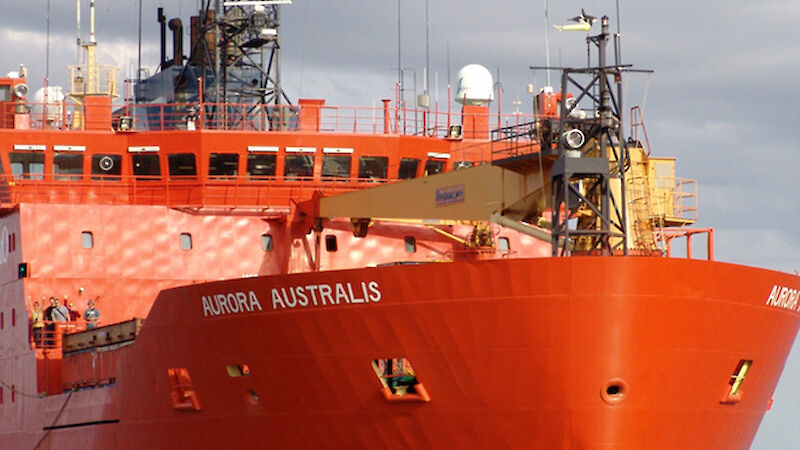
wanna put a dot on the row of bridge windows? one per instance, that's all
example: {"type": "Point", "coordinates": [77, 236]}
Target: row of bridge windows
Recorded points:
{"type": "Point", "coordinates": [70, 166]}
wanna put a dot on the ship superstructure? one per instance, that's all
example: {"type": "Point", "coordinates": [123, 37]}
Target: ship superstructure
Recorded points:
{"type": "Point", "coordinates": [386, 288]}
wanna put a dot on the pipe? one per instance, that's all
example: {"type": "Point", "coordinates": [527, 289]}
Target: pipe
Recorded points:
{"type": "Point", "coordinates": [386, 115]}
{"type": "Point", "coordinates": [176, 27]}
{"type": "Point", "coordinates": [542, 235]}
{"type": "Point", "coordinates": [162, 21]}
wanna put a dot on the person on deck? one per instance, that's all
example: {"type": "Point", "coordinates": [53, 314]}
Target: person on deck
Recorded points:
{"type": "Point", "coordinates": [91, 315]}
{"type": "Point", "coordinates": [74, 315]}
{"type": "Point", "coordinates": [37, 323]}
{"type": "Point", "coordinates": [48, 312]}
{"type": "Point", "coordinates": [60, 313]}
{"type": "Point", "coordinates": [51, 315]}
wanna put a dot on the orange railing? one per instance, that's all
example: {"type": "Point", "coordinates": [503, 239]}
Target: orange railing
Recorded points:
{"type": "Point", "coordinates": [670, 235]}
{"type": "Point", "coordinates": [52, 333]}
{"type": "Point", "coordinates": [66, 115]}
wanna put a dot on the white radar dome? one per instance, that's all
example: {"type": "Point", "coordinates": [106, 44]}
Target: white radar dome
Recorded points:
{"type": "Point", "coordinates": [475, 85]}
{"type": "Point", "coordinates": [55, 100]}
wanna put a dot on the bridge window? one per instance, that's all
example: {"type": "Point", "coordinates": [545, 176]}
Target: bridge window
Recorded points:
{"type": "Point", "coordinates": [373, 167]}
{"type": "Point", "coordinates": [336, 166]}
{"type": "Point", "coordinates": [223, 165]}
{"type": "Point", "coordinates": [87, 239]}
{"type": "Point", "coordinates": [462, 164]}
{"type": "Point", "coordinates": [259, 165]}
{"type": "Point", "coordinates": [432, 167]}
{"type": "Point", "coordinates": [27, 165]}
{"type": "Point", "coordinates": [146, 166]}
{"type": "Point", "coordinates": [408, 168]}
{"type": "Point", "coordinates": [299, 166]}
{"type": "Point", "coordinates": [106, 167]}
{"type": "Point", "coordinates": [67, 166]}
{"type": "Point", "coordinates": [182, 165]}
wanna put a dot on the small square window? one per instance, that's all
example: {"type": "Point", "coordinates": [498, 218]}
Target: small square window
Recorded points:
{"type": "Point", "coordinates": [87, 239]}
{"type": "Point", "coordinates": [266, 242]}
{"type": "Point", "coordinates": [330, 243]}
{"type": "Point", "coordinates": [411, 244]}
{"type": "Point", "coordinates": [186, 241]}
{"type": "Point", "coordinates": [503, 245]}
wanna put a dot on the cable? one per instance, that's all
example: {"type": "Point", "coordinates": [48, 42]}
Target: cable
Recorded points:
{"type": "Point", "coordinates": [14, 390]}
{"type": "Point", "coordinates": [58, 416]}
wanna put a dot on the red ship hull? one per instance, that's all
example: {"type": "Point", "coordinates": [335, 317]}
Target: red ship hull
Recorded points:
{"type": "Point", "coordinates": [513, 354]}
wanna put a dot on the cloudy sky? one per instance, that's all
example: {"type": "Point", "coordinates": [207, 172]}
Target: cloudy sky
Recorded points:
{"type": "Point", "coordinates": [724, 98]}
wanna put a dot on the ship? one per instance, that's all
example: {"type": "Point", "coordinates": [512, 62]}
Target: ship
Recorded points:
{"type": "Point", "coordinates": [253, 273]}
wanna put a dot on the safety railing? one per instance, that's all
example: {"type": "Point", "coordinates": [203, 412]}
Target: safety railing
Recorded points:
{"type": "Point", "coordinates": [69, 115]}
{"type": "Point", "coordinates": [674, 198]}
{"type": "Point", "coordinates": [50, 336]}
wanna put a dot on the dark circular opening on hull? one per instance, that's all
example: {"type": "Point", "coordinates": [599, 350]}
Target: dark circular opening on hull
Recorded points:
{"type": "Point", "coordinates": [614, 391]}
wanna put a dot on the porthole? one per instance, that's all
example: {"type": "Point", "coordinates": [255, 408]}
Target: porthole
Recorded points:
{"type": "Point", "coordinates": [614, 391]}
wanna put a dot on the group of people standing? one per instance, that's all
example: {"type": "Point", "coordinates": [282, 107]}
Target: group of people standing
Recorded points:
{"type": "Point", "coordinates": [46, 319]}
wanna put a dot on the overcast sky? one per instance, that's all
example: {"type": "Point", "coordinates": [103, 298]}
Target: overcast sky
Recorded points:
{"type": "Point", "coordinates": [724, 98]}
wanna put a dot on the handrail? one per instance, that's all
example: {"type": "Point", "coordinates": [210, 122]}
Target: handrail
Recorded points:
{"type": "Point", "coordinates": [260, 117]}
{"type": "Point", "coordinates": [672, 234]}
{"type": "Point", "coordinates": [53, 331]}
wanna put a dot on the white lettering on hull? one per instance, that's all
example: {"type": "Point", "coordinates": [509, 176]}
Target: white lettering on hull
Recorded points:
{"type": "Point", "coordinates": [325, 295]}
{"type": "Point", "coordinates": [784, 297]}
{"type": "Point", "coordinates": [291, 297]}
{"type": "Point", "coordinates": [230, 303]}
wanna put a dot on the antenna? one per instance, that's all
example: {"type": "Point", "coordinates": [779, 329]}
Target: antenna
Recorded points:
{"type": "Point", "coordinates": [78, 22]}
{"type": "Point", "coordinates": [139, 63]}
{"type": "Point", "coordinates": [427, 48]}
{"type": "Point", "coordinates": [399, 60]}
{"type": "Point", "coordinates": [547, 41]}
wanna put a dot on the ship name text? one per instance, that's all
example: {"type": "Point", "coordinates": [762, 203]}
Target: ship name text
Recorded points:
{"type": "Point", "coordinates": [322, 294]}
{"type": "Point", "coordinates": [784, 297]}
{"type": "Point", "coordinates": [230, 303]}
{"type": "Point", "coordinates": [325, 294]}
